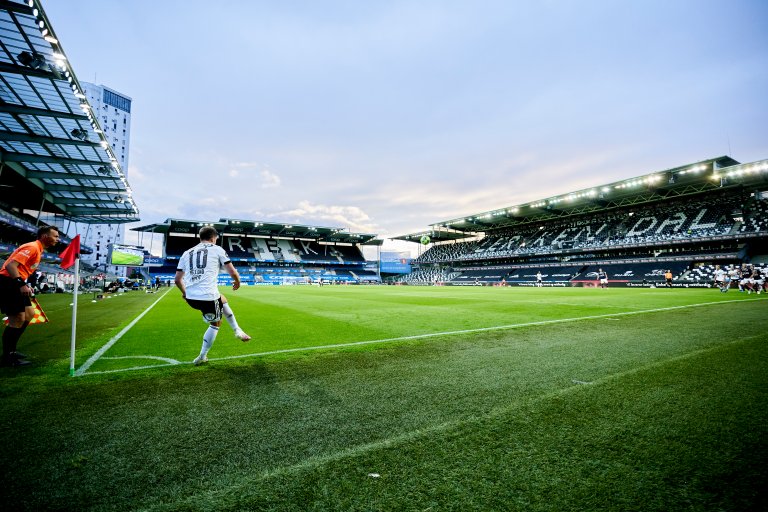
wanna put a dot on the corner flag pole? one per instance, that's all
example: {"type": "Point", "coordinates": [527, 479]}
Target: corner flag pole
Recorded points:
{"type": "Point", "coordinates": [74, 316]}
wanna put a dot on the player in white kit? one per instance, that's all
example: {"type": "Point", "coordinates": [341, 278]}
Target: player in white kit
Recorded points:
{"type": "Point", "coordinates": [197, 278]}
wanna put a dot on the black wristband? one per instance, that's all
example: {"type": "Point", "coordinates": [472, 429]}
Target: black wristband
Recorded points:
{"type": "Point", "coordinates": [21, 282]}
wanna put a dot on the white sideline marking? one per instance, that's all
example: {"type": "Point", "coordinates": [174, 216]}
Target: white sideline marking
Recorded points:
{"type": "Point", "coordinates": [423, 336]}
{"type": "Point", "coordinates": [119, 335]}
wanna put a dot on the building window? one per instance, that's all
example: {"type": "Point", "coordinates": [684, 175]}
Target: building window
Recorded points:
{"type": "Point", "coordinates": [117, 101]}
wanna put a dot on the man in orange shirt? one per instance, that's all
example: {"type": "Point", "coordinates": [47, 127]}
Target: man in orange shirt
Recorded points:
{"type": "Point", "coordinates": [15, 293]}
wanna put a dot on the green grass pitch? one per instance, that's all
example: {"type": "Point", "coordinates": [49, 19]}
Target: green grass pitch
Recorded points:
{"type": "Point", "coordinates": [394, 398]}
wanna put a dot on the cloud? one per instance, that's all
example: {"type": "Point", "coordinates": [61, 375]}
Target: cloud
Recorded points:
{"type": "Point", "coordinates": [351, 217]}
{"type": "Point", "coordinates": [269, 179]}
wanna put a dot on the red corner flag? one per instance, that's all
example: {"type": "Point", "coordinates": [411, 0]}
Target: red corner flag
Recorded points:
{"type": "Point", "coordinates": [71, 253]}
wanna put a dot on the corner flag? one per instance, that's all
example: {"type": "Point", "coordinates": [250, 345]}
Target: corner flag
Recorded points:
{"type": "Point", "coordinates": [71, 253]}
{"type": "Point", "coordinates": [71, 256]}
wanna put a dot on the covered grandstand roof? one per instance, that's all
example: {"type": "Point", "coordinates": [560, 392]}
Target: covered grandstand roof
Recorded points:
{"type": "Point", "coordinates": [234, 227]}
{"type": "Point", "coordinates": [721, 173]}
{"type": "Point", "coordinates": [53, 154]}
{"type": "Point", "coordinates": [436, 235]}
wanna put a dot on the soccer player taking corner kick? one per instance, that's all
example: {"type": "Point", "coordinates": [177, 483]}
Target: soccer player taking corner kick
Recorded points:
{"type": "Point", "coordinates": [197, 278]}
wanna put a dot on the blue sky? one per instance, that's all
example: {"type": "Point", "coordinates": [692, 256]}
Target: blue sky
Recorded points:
{"type": "Point", "coordinates": [386, 117]}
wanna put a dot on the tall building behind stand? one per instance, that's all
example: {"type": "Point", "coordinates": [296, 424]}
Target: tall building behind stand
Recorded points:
{"type": "Point", "coordinates": [113, 111]}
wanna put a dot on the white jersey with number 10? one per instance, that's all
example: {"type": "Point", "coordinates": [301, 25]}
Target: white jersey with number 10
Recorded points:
{"type": "Point", "coordinates": [201, 266]}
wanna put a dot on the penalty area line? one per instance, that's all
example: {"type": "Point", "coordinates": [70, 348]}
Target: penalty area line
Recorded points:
{"type": "Point", "coordinates": [439, 334]}
{"type": "Point", "coordinates": [95, 357]}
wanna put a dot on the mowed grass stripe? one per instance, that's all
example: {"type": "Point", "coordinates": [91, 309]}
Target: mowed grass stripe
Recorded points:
{"type": "Point", "coordinates": [393, 340]}
{"type": "Point", "coordinates": [282, 319]}
{"type": "Point", "coordinates": [533, 454]}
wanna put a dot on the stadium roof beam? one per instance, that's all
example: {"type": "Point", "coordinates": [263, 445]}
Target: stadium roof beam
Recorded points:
{"type": "Point", "coordinates": [58, 200]}
{"type": "Point", "coordinates": [78, 188]}
{"type": "Point", "coordinates": [6, 108]}
{"type": "Point", "coordinates": [15, 69]}
{"type": "Point", "coordinates": [45, 159]}
{"type": "Point", "coordinates": [39, 139]}
{"type": "Point", "coordinates": [15, 7]}
{"type": "Point", "coordinates": [52, 175]}
{"type": "Point", "coordinates": [97, 209]}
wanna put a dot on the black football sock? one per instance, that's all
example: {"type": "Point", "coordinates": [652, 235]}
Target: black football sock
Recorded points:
{"type": "Point", "coordinates": [11, 337]}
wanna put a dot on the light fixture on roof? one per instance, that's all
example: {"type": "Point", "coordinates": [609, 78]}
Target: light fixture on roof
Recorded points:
{"type": "Point", "coordinates": [32, 60]}
{"type": "Point", "coordinates": [103, 170]}
{"type": "Point", "coordinates": [119, 199]}
{"type": "Point", "coordinates": [79, 133]}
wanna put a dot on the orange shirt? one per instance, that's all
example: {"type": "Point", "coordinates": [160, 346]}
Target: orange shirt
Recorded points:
{"type": "Point", "coordinates": [28, 256]}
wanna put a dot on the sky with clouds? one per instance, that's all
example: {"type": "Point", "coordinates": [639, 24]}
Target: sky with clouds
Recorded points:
{"type": "Point", "coordinates": [386, 117]}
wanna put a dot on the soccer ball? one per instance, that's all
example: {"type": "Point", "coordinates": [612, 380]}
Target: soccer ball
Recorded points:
{"type": "Point", "coordinates": [425, 240]}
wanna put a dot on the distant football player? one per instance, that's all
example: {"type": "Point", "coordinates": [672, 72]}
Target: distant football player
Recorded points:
{"type": "Point", "coordinates": [720, 278]}
{"type": "Point", "coordinates": [197, 278]}
{"type": "Point", "coordinates": [16, 293]}
{"type": "Point", "coordinates": [602, 275]}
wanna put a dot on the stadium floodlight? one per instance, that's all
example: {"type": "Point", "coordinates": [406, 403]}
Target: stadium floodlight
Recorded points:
{"type": "Point", "coordinates": [32, 60]}
{"type": "Point", "coordinates": [79, 133]}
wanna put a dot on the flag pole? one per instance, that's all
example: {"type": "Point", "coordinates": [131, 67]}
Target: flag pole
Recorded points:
{"type": "Point", "coordinates": [74, 316]}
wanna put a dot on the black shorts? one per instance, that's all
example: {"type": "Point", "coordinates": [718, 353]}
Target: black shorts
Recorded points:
{"type": "Point", "coordinates": [12, 302]}
{"type": "Point", "coordinates": [211, 309]}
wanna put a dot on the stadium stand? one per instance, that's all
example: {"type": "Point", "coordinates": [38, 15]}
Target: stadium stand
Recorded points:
{"type": "Point", "coordinates": [715, 211]}
{"type": "Point", "coordinates": [272, 254]}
